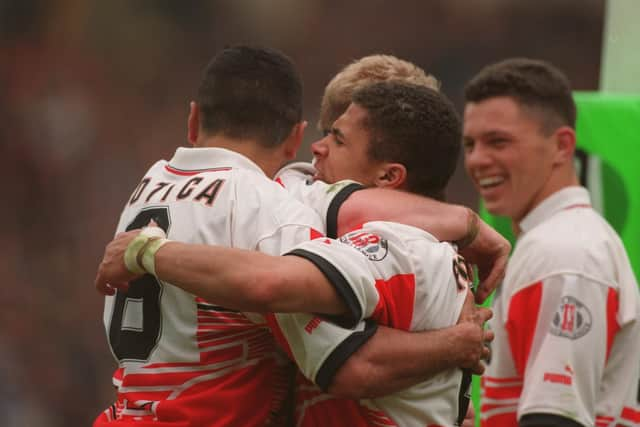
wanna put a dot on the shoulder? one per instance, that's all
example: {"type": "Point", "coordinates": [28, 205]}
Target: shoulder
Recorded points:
{"type": "Point", "coordinates": [577, 241]}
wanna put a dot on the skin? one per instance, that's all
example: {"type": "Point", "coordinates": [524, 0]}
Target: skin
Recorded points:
{"type": "Point", "coordinates": [466, 339]}
{"type": "Point", "coordinates": [513, 164]}
{"type": "Point", "coordinates": [343, 154]}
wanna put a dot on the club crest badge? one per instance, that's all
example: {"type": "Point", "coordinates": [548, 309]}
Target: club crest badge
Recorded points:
{"type": "Point", "coordinates": [571, 320]}
{"type": "Point", "coordinates": [371, 245]}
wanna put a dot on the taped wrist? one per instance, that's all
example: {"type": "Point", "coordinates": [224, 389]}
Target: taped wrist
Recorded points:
{"type": "Point", "coordinates": [139, 257]}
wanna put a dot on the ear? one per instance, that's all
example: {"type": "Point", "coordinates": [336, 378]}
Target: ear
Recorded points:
{"type": "Point", "coordinates": [193, 123]}
{"type": "Point", "coordinates": [565, 138]}
{"type": "Point", "coordinates": [392, 175]}
{"type": "Point", "coordinates": [294, 140]}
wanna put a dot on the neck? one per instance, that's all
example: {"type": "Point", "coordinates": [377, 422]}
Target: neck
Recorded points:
{"type": "Point", "coordinates": [268, 159]}
{"type": "Point", "coordinates": [563, 178]}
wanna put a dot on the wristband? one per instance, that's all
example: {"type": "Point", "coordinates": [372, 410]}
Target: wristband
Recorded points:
{"type": "Point", "coordinates": [472, 231]}
{"type": "Point", "coordinates": [147, 255]}
{"type": "Point", "coordinates": [136, 248]}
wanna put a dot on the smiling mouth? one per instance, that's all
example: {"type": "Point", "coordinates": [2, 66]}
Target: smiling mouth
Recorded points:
{"type": "Point", "coordinates": [490, 181]}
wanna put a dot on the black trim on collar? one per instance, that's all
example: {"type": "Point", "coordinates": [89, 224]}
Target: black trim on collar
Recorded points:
{"type": "Point", "coordinates": [334, 207]}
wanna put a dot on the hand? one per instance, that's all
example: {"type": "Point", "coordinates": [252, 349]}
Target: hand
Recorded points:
{"type": "Point", "coordinates": [473, 349]}
{"type": "Point", "coordinates": [112, 272]}
{"type": "Point", "coordinates": [489, 251]}
{"type": "Point", "coordinates": [470, 418]}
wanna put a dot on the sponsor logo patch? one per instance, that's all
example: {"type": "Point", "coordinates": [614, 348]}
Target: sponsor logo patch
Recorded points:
{"type": "Point", "coordinates": [371, 245]}
{"type": "Point", "coordinates": [571, 320]}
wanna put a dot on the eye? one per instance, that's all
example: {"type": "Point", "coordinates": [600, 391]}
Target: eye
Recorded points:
{"type": "Point", "coordinates": [498, 142]}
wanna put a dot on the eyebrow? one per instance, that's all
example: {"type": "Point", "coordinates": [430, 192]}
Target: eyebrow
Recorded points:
{"type": "Point", "coordinates": [337, 133]}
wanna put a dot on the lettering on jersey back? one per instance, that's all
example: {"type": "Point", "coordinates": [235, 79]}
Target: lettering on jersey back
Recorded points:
{"type": "Point", "coordinates": [196, 188]}
{"type": "Point", "coordinates": [572, 319]}
{"type": "Point", "coordinates": [188, 187]}
{"type": "Point", "coordinates": [138, 191]}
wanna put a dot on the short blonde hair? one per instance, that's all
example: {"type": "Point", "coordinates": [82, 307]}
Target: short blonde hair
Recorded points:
{"type": "Point", "coordinates": [365, 71]}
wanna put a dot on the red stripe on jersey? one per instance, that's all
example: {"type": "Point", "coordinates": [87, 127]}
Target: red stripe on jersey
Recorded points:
{"type": "Point", "coordinates": [511, 392]}
{"type": "Point", "coordinates": [314, 234]}
{"type": "Point", "coordinates": [579, 205]}
{"type": "Point", "coordinates": [193, 172]}
{"type": "Point", "coordinates": [612, 323]}
{"type": "Point", "coordinates": [521, 323]}
{"type": "Point", "coordinates": [486, 379]}
{"type": "Point", "coordinates": [278, 334]}
{"type": "Point", "coordinates": [395, 306]}
{"type": "Point", "coordinates": [602, 421]}
{"type": "Point", "coordinates": [233, 352]}
{"type": "Point", "coordinates": [279, 181]}
{"type": "Point", "coordinates": [506, 419]}
{"type": "Point", "coordinates": [630, 414]}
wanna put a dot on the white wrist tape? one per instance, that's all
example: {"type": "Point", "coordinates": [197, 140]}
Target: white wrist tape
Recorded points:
{"type": "Point", "coordinates": [140, 253]}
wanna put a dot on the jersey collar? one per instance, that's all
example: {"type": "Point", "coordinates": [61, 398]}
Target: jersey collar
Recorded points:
{"type": "Point", "coordinates": [566, 198]}
{"type": "Point", "coordinates": [201, 158]}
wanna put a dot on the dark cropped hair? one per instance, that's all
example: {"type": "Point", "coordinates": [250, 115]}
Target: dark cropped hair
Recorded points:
{"type": "Point", "coordinates": [415, 126]}
{"type": "Point", "coordinates": [534, 84]}
{"type": "Point", "coordinates": [250, 92]}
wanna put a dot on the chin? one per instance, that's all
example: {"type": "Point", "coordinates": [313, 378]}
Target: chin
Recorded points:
{"type": "Point", "coordinates": [495, 208]}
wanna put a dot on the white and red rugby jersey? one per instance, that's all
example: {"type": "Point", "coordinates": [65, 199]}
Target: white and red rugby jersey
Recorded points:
{"type": "Point", "coordinates": [184, 361]}
{"type": "Point", "coordinates": [324, 198]}
{"type": "Point", "coordinates": [566, 321]}
{"type": "Point", "coordinates": [398, 276]}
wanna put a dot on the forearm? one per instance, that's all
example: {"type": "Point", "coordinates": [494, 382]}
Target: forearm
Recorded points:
{"type": "Point", "coordinates": [393, 360]}
{"type": "Point", "coordinates": [247, 280]}
{"type": "Point", "coordinates": [445, 221]}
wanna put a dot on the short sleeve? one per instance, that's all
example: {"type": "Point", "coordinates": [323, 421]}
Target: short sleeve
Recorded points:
{"type": "Point", "coordinates": [317, 346]}
{"type": "Point", "coordinates": [560, 346]}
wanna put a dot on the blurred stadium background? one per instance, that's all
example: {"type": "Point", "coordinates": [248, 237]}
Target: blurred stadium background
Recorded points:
{"type": "Point", "coordinates": [93, 92]}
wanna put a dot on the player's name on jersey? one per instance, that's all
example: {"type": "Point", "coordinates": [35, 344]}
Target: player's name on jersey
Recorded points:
{"type": "Point", "coordinates": [197, 189]}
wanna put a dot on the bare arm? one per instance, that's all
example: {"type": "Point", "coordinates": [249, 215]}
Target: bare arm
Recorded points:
{"type": "Point", "coordinates": [374, 369]}
{"type": "Point", "coordinates": [447, 222]}
{"type": "Point", "coordinates": [248, 280]}
{"type": "Point", "coordinates": [478, 242]}
{"type": "Point", "coordinates": [234, 278]}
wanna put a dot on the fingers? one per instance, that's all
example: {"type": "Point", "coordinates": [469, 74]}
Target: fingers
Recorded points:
{"type": "Point", "coordinates": [468, 309]}
{"type": "Point", "coordinates": [106, 288]}
{"type": "Point", "coordinates": [488, 336]}
{"type": "Point", "coordinates": [493, 278]}
{"type": "Point", "coordinates": [484, 314]}
{"type": "Point", "coordinates": [478, 368]}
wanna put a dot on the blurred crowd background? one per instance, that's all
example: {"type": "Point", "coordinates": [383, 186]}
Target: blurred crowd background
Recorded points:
{"type": "Point", "coordinates": [93, 92]}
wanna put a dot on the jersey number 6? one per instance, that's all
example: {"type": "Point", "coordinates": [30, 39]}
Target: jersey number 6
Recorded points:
{"type": "Point", "coordinates": [135, 320]}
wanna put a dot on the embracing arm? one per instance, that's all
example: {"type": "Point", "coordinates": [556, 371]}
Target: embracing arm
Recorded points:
{"type": "Point", "coordinates": [247, 280]}
{"type": "Point", "coordinates": [234, 278]}
{"type": "Point", "coordinates": [392, 360]}
{"type": "Point", "coordinates": [478, 242]}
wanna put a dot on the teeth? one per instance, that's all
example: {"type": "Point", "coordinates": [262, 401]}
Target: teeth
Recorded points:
{"type": "Point", "coordinates": [490, 181]}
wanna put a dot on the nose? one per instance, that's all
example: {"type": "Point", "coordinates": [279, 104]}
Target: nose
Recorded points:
{"type": "Point", "coordinates": [476, 158]}
{"type": "Point", "coordinates": [319, 148]}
